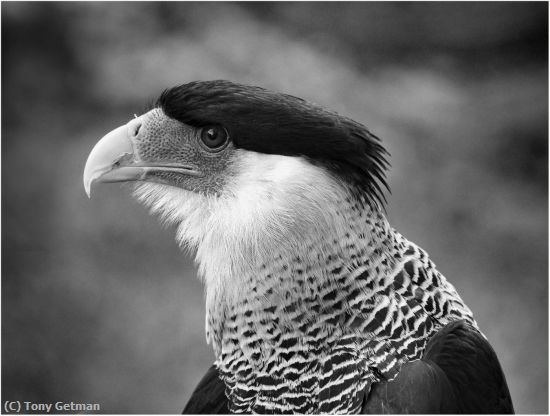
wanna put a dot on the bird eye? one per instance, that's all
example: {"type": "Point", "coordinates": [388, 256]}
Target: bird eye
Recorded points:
{"type": "Point", "coordinates": [214, 137]}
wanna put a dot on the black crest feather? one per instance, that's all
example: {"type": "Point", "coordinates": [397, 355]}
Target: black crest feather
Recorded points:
{"type": "Point", "coordinates": [268, 122]}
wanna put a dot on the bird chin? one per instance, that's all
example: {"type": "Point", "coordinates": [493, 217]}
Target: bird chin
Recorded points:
{"type": "Point", "coordinates": [163, 199]}
{"type": "Point", "coordinates": [174, 205]}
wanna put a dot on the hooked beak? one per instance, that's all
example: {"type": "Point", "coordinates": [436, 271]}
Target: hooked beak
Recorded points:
{"type": "Point", "coordinates": [115, 159]}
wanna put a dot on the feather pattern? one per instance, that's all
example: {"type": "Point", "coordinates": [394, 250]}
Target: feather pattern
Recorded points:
{"type": "Point", "coordinates": [301, 323]}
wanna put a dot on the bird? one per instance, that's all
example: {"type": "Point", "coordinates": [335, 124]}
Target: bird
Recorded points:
{"type": "Point", "coordinates": [314, 302]}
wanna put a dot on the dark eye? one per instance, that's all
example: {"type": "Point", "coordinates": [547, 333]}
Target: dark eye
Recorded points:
{"type": "Point", "coordinates": [214, 137]}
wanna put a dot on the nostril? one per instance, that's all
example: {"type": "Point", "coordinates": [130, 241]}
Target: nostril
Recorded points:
{"type": "Point", "coordinates": [135, 127]}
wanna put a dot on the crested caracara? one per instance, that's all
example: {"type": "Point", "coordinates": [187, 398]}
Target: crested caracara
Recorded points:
{"type": "Point", "coordinates": [315, 304]}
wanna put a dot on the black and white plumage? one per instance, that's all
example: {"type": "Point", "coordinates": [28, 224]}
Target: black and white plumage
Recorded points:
{"type": "Point", "coordinates": [314, 303]}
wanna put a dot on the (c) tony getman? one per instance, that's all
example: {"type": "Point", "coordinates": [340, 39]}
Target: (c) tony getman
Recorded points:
{"type": "Point", "coordinates": [18, 406]}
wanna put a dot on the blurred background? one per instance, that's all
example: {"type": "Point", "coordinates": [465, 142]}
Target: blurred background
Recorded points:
{"type": "Point", "coordinates": [98, 303]}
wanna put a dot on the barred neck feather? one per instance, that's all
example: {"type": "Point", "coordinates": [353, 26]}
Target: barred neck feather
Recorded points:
{"type": "Point", "coordinates": [308, 289]}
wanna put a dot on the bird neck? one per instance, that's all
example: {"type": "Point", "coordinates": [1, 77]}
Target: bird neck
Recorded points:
{"type": "Point", "coordinates": [290, 246]}
{"type": "Point", "coordinates": [345, 239]}
{"type": "Point", "coordinates": [344, 308]}
{"type": "Point", "coordinates": [303, 273]}
{"type": "Point", "coordinates": [308, 264]}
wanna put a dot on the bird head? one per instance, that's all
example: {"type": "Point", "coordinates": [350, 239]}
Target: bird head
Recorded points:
{"type": "Point", "coordinates": [241, 169]}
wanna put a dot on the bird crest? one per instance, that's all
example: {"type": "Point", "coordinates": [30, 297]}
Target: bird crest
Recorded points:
{"type": "Point", "coordinates": [273, 123]}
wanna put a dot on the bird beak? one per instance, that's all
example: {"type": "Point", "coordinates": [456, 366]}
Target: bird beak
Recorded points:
{"type": "Point", "coordinates": [113, 159]}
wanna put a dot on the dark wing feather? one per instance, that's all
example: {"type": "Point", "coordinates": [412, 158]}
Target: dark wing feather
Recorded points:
{"type": "Point", "coordinates": [459, 373]}
{"type": "Point", "coordinates": [209, 396]}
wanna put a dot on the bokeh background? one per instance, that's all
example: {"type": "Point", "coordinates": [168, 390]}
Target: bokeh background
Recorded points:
{"type": "Point", "coordinates": [98, 303]}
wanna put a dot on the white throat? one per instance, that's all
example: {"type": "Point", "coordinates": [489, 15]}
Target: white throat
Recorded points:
{"type": "Point", "coordinates": [271, 204]}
